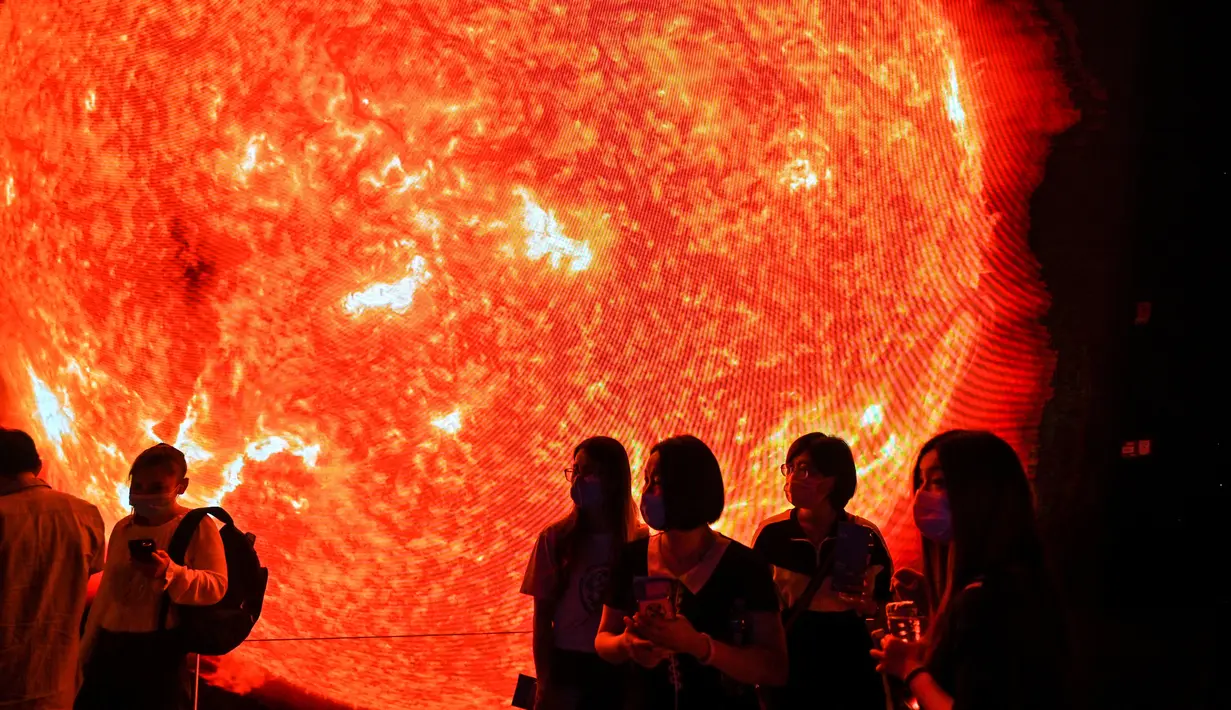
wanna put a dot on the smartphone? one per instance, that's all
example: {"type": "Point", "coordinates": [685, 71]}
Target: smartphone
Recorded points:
{"type": "Point", "coordinates": [141, 550]}
{"type": "Point", "coordinates": [523, 695]}
{"type": "Point", "coordinates": [851, 558]}
{"type": "Point", "coordinates": [654, 597]}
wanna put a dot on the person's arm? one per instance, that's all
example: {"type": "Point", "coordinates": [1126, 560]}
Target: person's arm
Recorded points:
{"type": "Point", "coordinates": [617, 642]}
{"type": "Point", "coordinates": [544, 638]}
{"type": "Point", "coordinates": [95, 540]}
{"type": "Point", "coordinates": [929, 693]}
{"type": "Point", "coordinates": [101, 598]}
{"type": "Point", "coordinates": [202, 579]}
{"type": "Point", "coordinates": [904, 660]}
{"type": "Point", "coordinates": [985, 674]}
{"type": "Point", "coordinates": [762, 662]}
{"type": "Point", "coordinates": [769, 662]}
{"type": "Point", "coordinates": [908, 585]}
{"type": "Point", "coordinates": [539, 582]}
{"type": "Point", "coordinates": [609, 642]}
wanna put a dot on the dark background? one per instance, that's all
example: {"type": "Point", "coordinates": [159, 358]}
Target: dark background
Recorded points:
{"type": "Point", "coordinates": [1125, 216]}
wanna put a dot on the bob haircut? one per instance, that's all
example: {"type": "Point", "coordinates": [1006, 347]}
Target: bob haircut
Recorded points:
{"type": "Point", "coordinates": [832, 458]}
{"type": "Point", "coordinates": [691, 482]}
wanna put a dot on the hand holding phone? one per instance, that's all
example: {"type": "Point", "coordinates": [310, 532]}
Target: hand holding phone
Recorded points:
{"type": "Point", "coordinates": [851, 559]}
{"type": "Point", "coordinates": [644, 653]}
{"type": "Point", "coordinates": [654, 597]}
{"type": "Point", "coordinates": [142, 551]}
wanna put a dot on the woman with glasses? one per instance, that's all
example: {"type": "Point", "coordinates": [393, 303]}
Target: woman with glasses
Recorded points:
{"type": "Point", "coordinates": [827, 635]}
{"type": "Point", "coordinates": [567, 576]}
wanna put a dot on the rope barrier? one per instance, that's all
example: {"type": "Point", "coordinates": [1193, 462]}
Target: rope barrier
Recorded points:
{"type": "Point", "coordinates": [387, 636]}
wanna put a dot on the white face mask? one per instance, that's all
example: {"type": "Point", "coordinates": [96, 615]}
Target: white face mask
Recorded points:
{"type": "Point", "coordinates": [809, 492]}
{"type": "Point", "coordinates": [152, 505]}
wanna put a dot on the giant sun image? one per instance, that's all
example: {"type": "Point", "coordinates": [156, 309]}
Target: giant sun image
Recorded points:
{"type": "Point", "coordinates": [377, 266]}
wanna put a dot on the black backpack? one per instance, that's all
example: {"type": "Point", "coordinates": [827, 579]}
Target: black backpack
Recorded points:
{"type": "Point", "coordinates": [218, 629]}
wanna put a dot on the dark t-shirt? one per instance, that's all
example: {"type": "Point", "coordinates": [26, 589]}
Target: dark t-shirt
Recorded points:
{"type": "Point", "coordinates": [830, 666]}
{"type": "Point", "coordinates": [1002, 647]}
{"type": "Point", "coordinates": [740, 585]}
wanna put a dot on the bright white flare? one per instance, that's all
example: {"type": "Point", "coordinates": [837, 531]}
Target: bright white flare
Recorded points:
{"type": "Point", "coordinates": [397, 296]}
{"type": "Point", "coordinates": [798, 174]}
{"type": "Point", "coordinates": [953, 100]}
{"type": "Point", "coordinates": [450, 423]}
{"type": "Point", "coordinates": [546, 238]}
{"type": "Point", "coordinates": [56, 416]}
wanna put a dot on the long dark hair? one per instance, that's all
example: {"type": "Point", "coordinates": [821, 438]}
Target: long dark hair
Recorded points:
{"type": "Point", "coordinates": [994, 528]}
{"type": "Point", "coordinates": [935, 554]}
{"type": "Point", "coordinates": [610, 462]}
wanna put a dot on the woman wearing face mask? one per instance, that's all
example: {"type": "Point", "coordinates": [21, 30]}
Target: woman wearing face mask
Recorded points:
{"type": "Point", "coordinates": [129, 663]}
{"type": "Point", "coordinates": [926, 589]}
{"type": "Point", "coordinates": [721, 634]}
{"type": "Point", "coordinates": [567, 576]}
{"type": "Point", "coordinates": [827, 637]}
{"type": "Point", "coordinates": [997, 639]}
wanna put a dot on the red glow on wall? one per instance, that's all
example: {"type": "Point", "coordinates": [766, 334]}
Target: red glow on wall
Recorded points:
{"type": "Point", "coordinates": [376, 267]}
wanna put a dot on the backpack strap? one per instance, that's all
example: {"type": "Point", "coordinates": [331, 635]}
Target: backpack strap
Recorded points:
{"type": "Point", "coordinates": [177, 550]}
{"type": "Point", "coordinates": [218, 513]}
{"type": "Point", "coordinates": [801, 604]}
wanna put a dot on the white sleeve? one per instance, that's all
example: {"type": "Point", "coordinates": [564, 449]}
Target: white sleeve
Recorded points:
{"type": "Point", "coordinates": [106, 588]}
{"type": "Point", "coordinates": [202, 579]}
{"type": "Point", "coordinates": [540, 578]}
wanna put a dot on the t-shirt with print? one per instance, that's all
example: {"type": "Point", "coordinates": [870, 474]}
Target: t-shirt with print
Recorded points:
{"type": "Point", "coordinates": [580, 609]}
{"type": "Point", "coordinates": [717, 596]}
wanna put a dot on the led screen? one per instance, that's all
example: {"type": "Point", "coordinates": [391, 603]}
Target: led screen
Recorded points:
{"type": "Point", "coordinates": [376, 267]}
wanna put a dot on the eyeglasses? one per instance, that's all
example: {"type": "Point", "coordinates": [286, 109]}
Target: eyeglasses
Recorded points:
{"type": "Point", "coordinates": [572, 473]}
{"type": "Point", "coordinates": [800, 470]}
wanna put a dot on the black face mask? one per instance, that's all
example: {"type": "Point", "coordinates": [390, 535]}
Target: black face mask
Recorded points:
{"type": "Point", "coordinates": [654, 510]}
{"type": "Point", "coordinates": [587, 493]}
